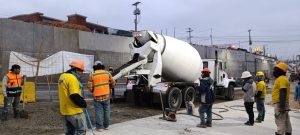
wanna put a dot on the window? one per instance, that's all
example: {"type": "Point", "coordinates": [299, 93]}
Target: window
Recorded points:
{"type": "Point", "coordinates": [205, 64]}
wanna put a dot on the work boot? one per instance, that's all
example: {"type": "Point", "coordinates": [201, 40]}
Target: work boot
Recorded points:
{"type": "Point", "coordinates": [288, 133]}
{"type": "Point", "coordinates": [16, 114]}
{"type": "Point", "coordinates": [249, 124]}
{"type": "Point", "coordinates": [208, 124]}
{"type": "Point", "coordinates": [258, 121]}
{"type": "Point", "coordinates": [202, 125]}
{"type": "Point", "coordinates": [4, 116]}
{"type": "Point", "coordinates": [276, 133]}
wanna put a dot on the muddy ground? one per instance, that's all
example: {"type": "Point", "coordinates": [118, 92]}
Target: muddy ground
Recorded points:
{"type": "Point", "coordinates": [45, 118]}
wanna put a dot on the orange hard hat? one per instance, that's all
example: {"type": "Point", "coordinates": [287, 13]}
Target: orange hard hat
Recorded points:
{"type": "Point", "coordinates": [205, 70]}
{"type": "Point", "coordinates": [78, 64]}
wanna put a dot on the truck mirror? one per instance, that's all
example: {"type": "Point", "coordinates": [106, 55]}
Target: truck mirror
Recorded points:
{"type": "Point", "coordinates": [223, 75]}
{"type": "Point", "coordinates": [157, 76]}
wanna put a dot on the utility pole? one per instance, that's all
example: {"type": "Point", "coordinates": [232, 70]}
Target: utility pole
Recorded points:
{"type": "Point", "coordinates": [136, 12]}
{"type": "Point", "coordinates": [250, 41]}
{"type": "Point", "coordinates": [264, 49]}
{"type": "Point", "coordinates": [190, 36]}
{"type": "Point", "coordinates": [174, 33]}
{"type": "Point", "coordinates": [211, 42]}
{"type": "Point", "coordinates": [166, 31]}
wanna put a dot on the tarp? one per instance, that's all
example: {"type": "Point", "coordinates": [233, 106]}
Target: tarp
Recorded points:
{"type": "Point", "coordinates": [54, 64]}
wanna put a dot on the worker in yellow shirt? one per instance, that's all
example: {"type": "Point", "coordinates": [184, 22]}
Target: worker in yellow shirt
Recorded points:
{"type": "Point", "coordinates": [280, 99]}
{"type": "Point", "coordinates": [260, 95]}
{"type": "Point", "coordinates": [71, 101]}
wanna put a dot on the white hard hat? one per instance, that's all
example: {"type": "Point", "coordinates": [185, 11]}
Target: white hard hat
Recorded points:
{"type": "Point", "coordinates": [98, 62]}
{"type": "Point", "coordinates": [246, 74]}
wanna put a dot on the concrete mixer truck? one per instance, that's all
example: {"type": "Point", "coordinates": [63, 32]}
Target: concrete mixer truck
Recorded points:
{"type": "Point", "coordinates": [161, 65]}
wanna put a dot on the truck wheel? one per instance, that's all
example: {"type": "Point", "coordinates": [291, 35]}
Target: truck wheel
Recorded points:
{"type": "Point", "coordinates": [137, 98]}
{"type": "Point", "coordinates": [174, 98]}
{"type": "Point", "coordinates": [189, 94]}
{"type": "Point", "coordinates": [230, 93]}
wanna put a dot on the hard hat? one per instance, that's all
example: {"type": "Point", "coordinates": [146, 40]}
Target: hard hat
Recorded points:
{"type": "Point", "coordinates": [206, 70]}
{"type": "Point", "coordinates": [284, 67]}
{"type": "Point", "coordinates": [98, 62]}
{"type": "Point", "coordinates": [246, 74]}
{"type": "Point", "coordinates": [259, 73]}
{"type": "Point", "coordinates": [78, 64]}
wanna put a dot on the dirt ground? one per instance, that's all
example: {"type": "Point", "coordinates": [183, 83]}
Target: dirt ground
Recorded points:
{"type": "Point", "coordinates": [45, 118]}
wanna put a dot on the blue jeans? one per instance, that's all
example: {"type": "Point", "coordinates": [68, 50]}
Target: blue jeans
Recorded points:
{"type": "Point", "coordinates": [76, 124]}
{"type": "Point", "coordinates": [260, 108]}
{"type": "Point", "coordinates": [105, 105]}
{"type": "Point", "coordinates": [205, 108]}
{"type": "Point", "coordinates": [15, 103]}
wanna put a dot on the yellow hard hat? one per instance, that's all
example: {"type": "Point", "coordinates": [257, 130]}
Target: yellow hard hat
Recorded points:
{"type": "Point", "coordinates": [284, 67]}
{"type": "Point", "coordinates": [259, 73]}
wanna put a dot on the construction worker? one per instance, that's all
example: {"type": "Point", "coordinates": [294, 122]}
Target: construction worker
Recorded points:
{"type": "Point", "coordinates": [12, 89]}
{"type": "Point", "coordinates": [260, 94]}
{"type": "Point", "coordinates": [297, 92]}
{"type": "Point", "coordinates": [249, 90]}
{"type": "Point", "coordinates": [111, 70]}
{"type": "Point", "coordinates": [71, 100]}
{"type": "Point", "coordinates": [100, 82]}
{"type": "Point", "coordinates": [207, 97]}
{"type": "Point", "coordinates": [280, 99]}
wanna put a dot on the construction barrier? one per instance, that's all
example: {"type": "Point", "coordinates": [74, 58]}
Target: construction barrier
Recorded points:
{"type": "Point", "coordinates": [30, 96]}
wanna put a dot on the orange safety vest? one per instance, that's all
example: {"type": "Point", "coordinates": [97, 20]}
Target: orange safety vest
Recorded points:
{"type": "Point", "coordinates": [13, 86]}
{"type": "Point", "coordinates": [101, 80]}
{"type": "Point", "coordinates": [15, 80]}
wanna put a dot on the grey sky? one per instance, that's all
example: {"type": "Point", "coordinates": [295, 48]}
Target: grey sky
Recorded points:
{"type": "Point", "coordinates": [275, 23]}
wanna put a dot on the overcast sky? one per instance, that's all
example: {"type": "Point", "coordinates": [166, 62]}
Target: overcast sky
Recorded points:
{"type": "Point", "coordinates": [274, 23]}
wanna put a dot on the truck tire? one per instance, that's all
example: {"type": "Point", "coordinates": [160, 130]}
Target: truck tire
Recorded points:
{"type": "Point", "coordinates": [189, 94]}
{"type": "Point", "coordinates": [137, 98]}
{"type": "Point", "coordinates": [174, 98]}
{"type": "Point", "coordinates": [230, 93]}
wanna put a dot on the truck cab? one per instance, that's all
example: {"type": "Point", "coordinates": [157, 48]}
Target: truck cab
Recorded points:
{"type": "Point", "coordinates": [223, 85]}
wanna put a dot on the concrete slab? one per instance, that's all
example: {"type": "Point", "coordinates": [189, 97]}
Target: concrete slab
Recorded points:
{"type": "Point", "coordinates": [233, 124]}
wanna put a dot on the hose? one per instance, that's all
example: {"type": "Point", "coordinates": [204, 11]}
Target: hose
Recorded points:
{"type": "Point", "coordinates": [219, 115]}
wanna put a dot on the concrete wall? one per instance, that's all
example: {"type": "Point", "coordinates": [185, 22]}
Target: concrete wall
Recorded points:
{"type": "Point", "coordinates": [110, 43]}
{"type": "Point", "coordinates": [35, 39]}
{"type": "Point", "coordinates": [111, 50]}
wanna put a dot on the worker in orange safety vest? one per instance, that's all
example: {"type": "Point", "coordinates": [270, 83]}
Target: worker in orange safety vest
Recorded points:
{"type": "Point", "coordinates": [99, 84]}
{"type": "Point", "coordinates": [12, 89]}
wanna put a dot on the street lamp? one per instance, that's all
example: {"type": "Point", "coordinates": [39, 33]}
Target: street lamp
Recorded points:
{"type": "Point", "coordinates": [136, 12]}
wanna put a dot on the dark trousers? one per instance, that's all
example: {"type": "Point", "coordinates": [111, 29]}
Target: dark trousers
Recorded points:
{"type": "Point", "coordinates": [249, 110]}
{"type": "Point", "coordinates": [205, 109]}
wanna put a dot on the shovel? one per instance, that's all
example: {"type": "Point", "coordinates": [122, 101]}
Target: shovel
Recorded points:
{"type": "Point", "coordinates": [23, 113]}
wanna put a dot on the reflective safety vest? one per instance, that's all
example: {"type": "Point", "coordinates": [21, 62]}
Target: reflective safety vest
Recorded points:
{"type": "Point", "coordinates": [13, 86]}
{"type": "Point", "coordinates": [101, 83]}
